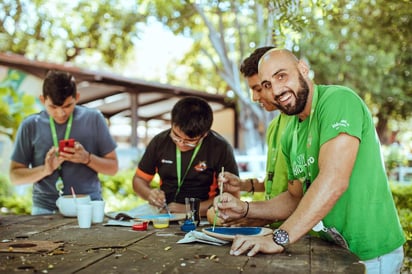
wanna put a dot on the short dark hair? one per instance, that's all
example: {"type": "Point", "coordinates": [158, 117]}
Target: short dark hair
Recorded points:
{"type": "Point", "coordinates": [249, 66]}
{"type": "Point", "coordinates": [58, 86]}
{"type": "Point", "coordinates": [192, 115]}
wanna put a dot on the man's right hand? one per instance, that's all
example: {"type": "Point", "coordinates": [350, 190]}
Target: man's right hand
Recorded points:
{"type": "Point", "coordinates": [230, 207]}
{"type": "Point", "coordinates": [156, 198]}
{"type": "Point", "coordinates": [52, 161]}
{"type": "Point", "coordinates": [231, 183]}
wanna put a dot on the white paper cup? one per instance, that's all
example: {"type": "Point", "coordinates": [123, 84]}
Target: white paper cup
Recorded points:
{"type": "Point", "coordinates": [84, 215]}
{"type": "Point", "coordinates": [97, 211]}
{"type": "Point", "coordinates": [67, 204]}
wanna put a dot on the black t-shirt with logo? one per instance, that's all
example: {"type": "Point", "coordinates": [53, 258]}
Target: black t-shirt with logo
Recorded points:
{"type": "Point", "coordinates": [201, 179]}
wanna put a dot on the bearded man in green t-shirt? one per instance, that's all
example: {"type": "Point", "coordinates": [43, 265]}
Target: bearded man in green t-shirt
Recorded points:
{"type": "Point", "coordinates": [337, 180]}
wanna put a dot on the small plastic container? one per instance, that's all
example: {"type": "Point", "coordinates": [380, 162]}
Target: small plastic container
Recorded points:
{"type": "Point", "coordinates": [140, 226]}
{"type": "Point", "coordinates": [187, 226]}
{"type": "Point", "coordinates": [161, 222]}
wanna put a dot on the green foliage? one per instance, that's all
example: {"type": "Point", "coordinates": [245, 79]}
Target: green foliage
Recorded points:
{"type": "Point", "coordinates": [361, 44]}
{"type": "Point", "coordinates": [223, 33]}
{"type": "Point", "coordinates": [402, 195]}
{"type": "Point", "coordinates": [61, 31]}
{"type": "Point", "coordinates": [364, 45]}
{"type": "Point", "coordinates": [15, 105]}
{"type": "Point", "coordinates": [118, 191]}
{"type": "Point", "coordinates": [5, 189]}
{"type": "Point", "coordinates": [10, 202]}
{"type": "Point", "coordinates": [395, 156]}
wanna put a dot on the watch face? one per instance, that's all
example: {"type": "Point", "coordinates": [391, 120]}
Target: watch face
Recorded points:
{"type": "Point", "coordinates": [281, 237]}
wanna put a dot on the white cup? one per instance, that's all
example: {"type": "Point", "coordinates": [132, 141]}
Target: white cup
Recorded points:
{"type": "Point", "coordinates": [98, 211]}
{"type": "Point", "coordinates": [84, 215]}
{"type": "Point", "coordinates": [67, 204]}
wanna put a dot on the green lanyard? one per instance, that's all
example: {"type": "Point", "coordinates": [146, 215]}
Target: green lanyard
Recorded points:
{"type": "Point", "coordinates": [59, 182]}
{"type": "Point", "coordinates": [179, 166]}
{"type": "Point", "coordinates": [307, 179]}
{"type": "Point", "coordinates": [272, 161]}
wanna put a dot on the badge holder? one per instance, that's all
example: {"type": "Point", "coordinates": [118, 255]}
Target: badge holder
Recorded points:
{"type": "Point", "coordinates": [59, 183]}
{"type": "Point", "coordinates": [332, 234]}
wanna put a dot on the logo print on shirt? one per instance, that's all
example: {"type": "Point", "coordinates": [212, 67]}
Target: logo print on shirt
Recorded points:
{"type": "Point", "coordinates": [299, 165]}
{"type": "Point", "coordinates": [342, 123]}
{"type": "Point", "coordinates": [201, 166]}
{"type": "Point", "coordinates": [164, 161]}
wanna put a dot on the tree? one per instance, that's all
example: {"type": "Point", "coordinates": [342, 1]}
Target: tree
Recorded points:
{"type": "Point", "coordinates": [368, 48]}
{"type": "Point", "coordinates": [87, 33]}
{"type": "Point", "coordinates": [91, 34]}
{"type": "Point", "coordinates": [224, 33]}
{"type": "Point", "coordinates": [84, 31]}
{"type": "Point", "coordinates": [346, 42]}
{"type": "Point", "coordinates": [361, 44]}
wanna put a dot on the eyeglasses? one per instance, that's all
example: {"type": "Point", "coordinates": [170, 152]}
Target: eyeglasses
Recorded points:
{"type": "Point", "coordinates": [191, 143]}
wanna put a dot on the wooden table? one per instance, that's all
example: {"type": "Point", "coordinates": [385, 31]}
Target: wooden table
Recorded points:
{"type": "Point", "coordinates": [112, 249]}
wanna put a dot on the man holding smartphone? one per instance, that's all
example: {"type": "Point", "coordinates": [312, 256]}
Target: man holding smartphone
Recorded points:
{"type": "Point", "coordinates": [62, 147]}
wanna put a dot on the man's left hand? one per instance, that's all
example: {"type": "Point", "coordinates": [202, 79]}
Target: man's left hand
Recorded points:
{"type": "Point", "coordinates": [76, 154]}
{"type": "Point", "coordinates": [254, 244]}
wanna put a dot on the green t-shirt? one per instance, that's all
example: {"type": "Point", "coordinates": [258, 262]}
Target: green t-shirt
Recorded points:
{"type": "Point", "coordinates": [365, 214]}
{"type": "Point", "coordinates": [275, 162]}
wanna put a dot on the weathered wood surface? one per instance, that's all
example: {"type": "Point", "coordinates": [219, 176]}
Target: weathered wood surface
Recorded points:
{"type": "Point", "coordinates": [108, 249]}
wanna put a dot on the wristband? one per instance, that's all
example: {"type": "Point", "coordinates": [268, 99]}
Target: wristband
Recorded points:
{"type": "Point", "coordinates": [252, 183]}
{"type": "Point", "coordinates": [247, 209]}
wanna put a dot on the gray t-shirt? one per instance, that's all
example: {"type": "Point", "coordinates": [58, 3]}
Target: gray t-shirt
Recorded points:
{"type": "Point", "coordinates": [34, 139]}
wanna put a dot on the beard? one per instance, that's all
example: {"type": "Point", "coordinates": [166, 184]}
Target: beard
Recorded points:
{"type": "Point", "coordinates": [301, 99]}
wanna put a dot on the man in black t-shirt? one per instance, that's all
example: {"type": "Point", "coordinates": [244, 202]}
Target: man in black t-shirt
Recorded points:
{"type": "Point", "coordinates": [188, 157]}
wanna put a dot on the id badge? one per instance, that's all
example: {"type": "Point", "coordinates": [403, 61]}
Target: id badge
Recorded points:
{"type": "Point", "coordinates": [332, 234]}
{"type": "Point", "coordinates": [59, 186]}
{"type": "Point", "coordinates": [337, 237]}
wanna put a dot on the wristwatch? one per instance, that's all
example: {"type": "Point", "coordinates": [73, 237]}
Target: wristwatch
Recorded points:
{"type": "Point", "coordinates": [281, 237]}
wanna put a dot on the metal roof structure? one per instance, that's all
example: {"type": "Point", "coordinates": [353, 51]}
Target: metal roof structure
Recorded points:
{"type": "Point", "coordinates": [117, 95]}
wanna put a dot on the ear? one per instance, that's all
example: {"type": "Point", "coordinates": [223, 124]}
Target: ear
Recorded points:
{"type": "Point", "coordinates": [77, 97]}
{"type": "Point", "coordinates": [303, 68]}
{"type": "Point", "coordinates": [42, 99]}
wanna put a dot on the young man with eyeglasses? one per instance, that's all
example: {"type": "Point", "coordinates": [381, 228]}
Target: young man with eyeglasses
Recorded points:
{"type": "Point", "coordinates": [37, 159]}
{"type": "Point", "coordinates": [188, 158]}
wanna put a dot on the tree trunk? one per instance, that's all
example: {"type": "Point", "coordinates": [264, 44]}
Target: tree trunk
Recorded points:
{"type": "Point", "coordinates": [381, 128]}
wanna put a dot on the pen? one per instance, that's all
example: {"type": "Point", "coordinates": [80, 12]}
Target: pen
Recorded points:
{"type": "Point", "coordinates": [167, 209]}
{"type": "Point", "coordinates": [220, 195]}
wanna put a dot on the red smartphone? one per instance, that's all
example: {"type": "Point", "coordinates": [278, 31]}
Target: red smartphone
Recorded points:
{"type": "Point", "coordinates": [66, 143]}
